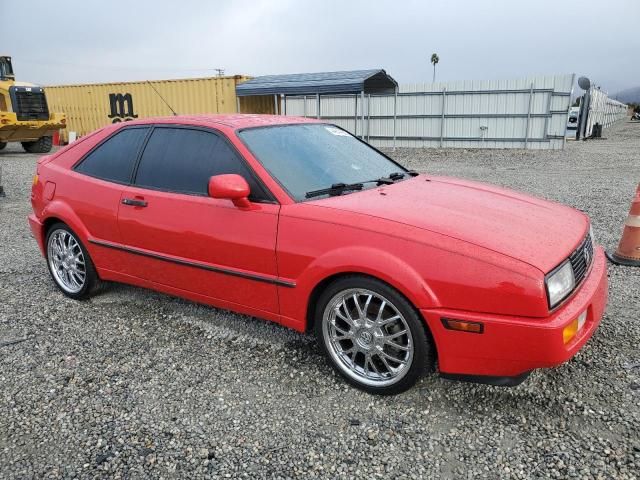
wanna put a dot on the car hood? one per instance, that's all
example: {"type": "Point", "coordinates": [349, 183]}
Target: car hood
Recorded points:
{"type": "Point", "coordinates": [538, 232]}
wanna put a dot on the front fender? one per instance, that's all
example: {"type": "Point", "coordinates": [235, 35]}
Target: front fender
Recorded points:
{"type": "Point", "coordinates": [362, 260]}
{"type": "Point", "coordinates": [374, 262]}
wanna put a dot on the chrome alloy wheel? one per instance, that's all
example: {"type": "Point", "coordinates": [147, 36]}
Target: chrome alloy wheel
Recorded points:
{"type": "Point", "coordinates": [66, 261]}
{"type": "Point", "coordinates": [368, 338]}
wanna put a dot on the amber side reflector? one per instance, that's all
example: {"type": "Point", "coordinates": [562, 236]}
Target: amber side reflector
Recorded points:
{"type": "Point", "coordinates": [35, 179]}
{"type": "Point", "coordinates": [570, 331]}
{"type": "Point", "coordinates": [462, 325]}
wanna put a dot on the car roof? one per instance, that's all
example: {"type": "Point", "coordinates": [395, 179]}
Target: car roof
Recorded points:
{"type": "Point", "coordinates": [234, 121]}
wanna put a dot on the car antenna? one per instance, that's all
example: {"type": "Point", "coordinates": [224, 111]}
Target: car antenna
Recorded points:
{"type": "Point", "coordinates": [161, 98]}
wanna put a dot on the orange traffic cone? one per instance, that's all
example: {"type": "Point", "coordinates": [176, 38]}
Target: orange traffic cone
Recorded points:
{"type": "Point", "coordinates": [628, 252]}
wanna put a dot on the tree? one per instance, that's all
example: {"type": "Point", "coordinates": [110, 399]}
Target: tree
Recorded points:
{"type": "Point", "coordinates": [434, 59]}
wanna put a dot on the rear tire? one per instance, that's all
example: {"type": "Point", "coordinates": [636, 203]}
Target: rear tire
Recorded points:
{"type": "Point", "coordinates": [69, 263]}
{"type": "Point", "coordinates": [42, 145]}
{"type": "Point", "coordinates": [2, 145]}
{"type": "Point", "coordinates": [372, 336]}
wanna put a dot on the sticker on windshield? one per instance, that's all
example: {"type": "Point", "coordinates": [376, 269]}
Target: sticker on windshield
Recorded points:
{"type": "Point", "coordinates": [337, 131]}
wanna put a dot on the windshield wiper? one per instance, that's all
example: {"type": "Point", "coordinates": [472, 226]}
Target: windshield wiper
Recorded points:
{"type": "Point", "coordinates": [334, 189]}
{"type": "Point", "coordinates": [400, 175]}
{"type": "Point", "coordinates": [339, 188]}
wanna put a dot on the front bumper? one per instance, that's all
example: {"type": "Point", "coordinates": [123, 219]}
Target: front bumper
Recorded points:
{"type": "Point", "coordinates": [512, 346]}
{"type": "Point", "coordinates": [14, 130]}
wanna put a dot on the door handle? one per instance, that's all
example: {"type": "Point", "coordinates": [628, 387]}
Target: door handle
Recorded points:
{"type": "Point", "coordinates": [132, 202]}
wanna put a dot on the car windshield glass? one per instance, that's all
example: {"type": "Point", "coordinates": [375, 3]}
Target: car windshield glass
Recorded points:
{"type": "Point", "coordinates": [309, 157]}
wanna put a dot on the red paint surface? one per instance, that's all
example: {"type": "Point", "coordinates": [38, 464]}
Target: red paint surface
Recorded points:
{"type": "Point", "coordinates": [454, 248]}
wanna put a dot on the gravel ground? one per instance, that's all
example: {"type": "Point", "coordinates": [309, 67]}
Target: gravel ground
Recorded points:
{"type": "Point", "coordinates": [136, 384]}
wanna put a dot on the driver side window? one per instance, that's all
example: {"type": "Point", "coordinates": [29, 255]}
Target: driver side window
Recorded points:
{"type": "Point", "coordinates": [182, 160]}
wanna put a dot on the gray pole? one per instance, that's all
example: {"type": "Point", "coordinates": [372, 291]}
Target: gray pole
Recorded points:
{"type": "Point", "coordinates": [395, 114]}
{"type": "Point", "coordinates": [284, 104]}
{"type": "Point", "coordinates": [526, 133]}
{"type": "Point", "coordinates": [580, 109]}
{"type": "Point", "coordinates": [368, 116]}
{"type": "Point", "coordinates": [362, 113]}
{"type": "Point", "coordinates": [355, 116]}
{"type": "Point", "coordinates": [585, 104]}
{"type": "Point", "coordinates": [238, 104]}
{"type": "Point", "coordinates": [585, 114]}
{"type": "Point", "coordinates": [304, 108]}
{"type": "Point", "coordinates": [548, 116]}
{"type": "Point", "coordinates": [564, 137]}
{"type": "Point", "coordinates": [275, 104]}
{"type": "Point", "coordinates": [317, 105]}
{"type": "Point", "coordinates": [444, 107]}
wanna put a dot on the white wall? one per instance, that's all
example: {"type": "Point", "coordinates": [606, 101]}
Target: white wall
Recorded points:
{"type": "Point", "coordinates": [603, 110]}
{"type": "Point", "coordinates": [525, 113]}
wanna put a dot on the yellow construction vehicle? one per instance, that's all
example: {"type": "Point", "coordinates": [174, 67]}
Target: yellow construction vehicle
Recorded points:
{"type": "Point", "coordinates": [24, 114]}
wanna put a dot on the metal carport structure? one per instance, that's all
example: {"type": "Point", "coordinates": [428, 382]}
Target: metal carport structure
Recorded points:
{"type": "Point", "coordinates": [354, 82]}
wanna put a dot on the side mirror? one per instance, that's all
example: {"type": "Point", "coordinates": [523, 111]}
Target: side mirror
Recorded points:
{"type": "Point", "coordinates": [232, 187]}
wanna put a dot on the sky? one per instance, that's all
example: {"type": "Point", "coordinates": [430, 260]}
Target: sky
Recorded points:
{"type": "Point", "coordinates": [87, 41]}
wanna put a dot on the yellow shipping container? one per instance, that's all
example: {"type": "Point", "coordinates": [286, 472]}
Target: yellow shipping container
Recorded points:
{"type": "Point", "coordinates": [91, 106]}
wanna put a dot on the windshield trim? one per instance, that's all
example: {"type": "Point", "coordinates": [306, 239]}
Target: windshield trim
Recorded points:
{"type": "Point", "coordinates": [277, 180]}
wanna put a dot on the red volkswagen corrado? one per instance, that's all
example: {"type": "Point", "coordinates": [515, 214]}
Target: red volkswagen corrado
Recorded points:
{"type": "Point", "coordinates": [296, 221]}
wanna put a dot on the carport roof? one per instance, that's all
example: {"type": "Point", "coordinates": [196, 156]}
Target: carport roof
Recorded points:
{"type": "Point", "coordinates": [355, 81]}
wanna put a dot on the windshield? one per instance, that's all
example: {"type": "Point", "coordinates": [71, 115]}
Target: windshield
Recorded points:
{"type": "Point", "coordinates": [308, 157]}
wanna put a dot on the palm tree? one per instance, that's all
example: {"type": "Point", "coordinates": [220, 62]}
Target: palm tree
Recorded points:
{"type": "Point", "coordinates": [434, 59]}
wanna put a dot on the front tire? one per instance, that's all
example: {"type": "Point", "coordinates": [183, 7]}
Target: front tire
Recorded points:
{"type": "Point", "coordinates": [69, 263]}
{"type": "Point", "coordinates": [2, 145]}
{"type": "Point", "coordinates": [42, 145]}
{"type": "Point", "coordinates": [372, 335]}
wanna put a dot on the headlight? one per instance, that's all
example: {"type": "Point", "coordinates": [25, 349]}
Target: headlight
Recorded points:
{"type": "Point", "coordinates": [560, 283]}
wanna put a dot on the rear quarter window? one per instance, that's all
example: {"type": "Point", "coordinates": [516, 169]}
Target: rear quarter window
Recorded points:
{"type": "Point", "coordinates": [114, 159]}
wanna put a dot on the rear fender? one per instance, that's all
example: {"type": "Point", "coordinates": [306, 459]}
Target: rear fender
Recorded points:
{"type": "Point", "coordinates": [58, 209]}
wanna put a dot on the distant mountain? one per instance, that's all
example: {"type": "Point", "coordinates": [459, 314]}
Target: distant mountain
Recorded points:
{"type": "Point", "coordinates": [630, 95]}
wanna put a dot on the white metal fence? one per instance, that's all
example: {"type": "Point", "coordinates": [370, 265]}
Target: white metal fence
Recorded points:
{"type": "Point", "coordinates": [526, 113]}
{"type": "Point", "coordinates": [603, 110]}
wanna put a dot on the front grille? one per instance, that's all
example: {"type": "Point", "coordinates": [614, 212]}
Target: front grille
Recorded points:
{"type": "Point", "coordinates": [29, 103]}
{"type": "Point", "coordinates": [581, 259]}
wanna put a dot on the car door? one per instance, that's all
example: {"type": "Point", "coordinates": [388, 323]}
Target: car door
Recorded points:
{"type": "Point", "coordinates": [105, 171]}
{"type": "Point", "coordinates": [182, 238]}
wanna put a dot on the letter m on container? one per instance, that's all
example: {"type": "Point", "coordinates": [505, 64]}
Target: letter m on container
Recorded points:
{"type": "Point", "coordinates": [121, 107]}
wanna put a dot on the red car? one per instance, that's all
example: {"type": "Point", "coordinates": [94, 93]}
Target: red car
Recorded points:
{"type": "Point", "coordinates": [298, 222]}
